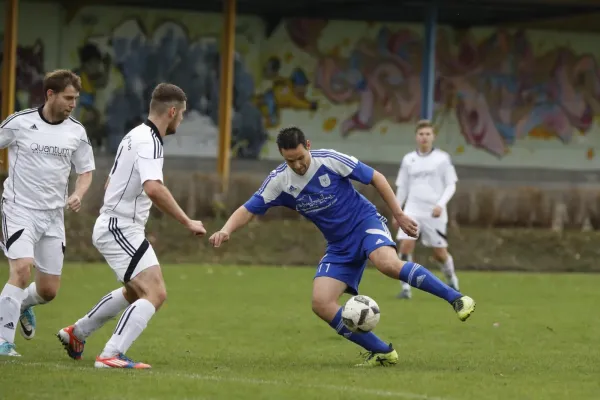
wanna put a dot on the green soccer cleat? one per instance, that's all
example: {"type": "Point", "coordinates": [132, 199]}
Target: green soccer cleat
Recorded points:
{"type": "Point", "coordinates": [464, 307]}
{"type": "Point", "coordinates": [380, 359]}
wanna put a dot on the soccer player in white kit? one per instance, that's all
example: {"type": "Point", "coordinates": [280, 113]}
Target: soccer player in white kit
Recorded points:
{"type": "Point", "coordinates": [426, 182]}
{"type": "Point", "coordinates": [134, 184]}
{"type": "Point", "coordinates": [42, 144]}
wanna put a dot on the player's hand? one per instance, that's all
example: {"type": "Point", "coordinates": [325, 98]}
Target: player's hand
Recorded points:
{"type": "Point", "coordinates": [437, 211]}
{"type": "Point", "coordinates": [74, 202]}
{"type": "Point", "coordinates": [395, 224]}
{"type": "Point", "coordinates": [196, 227]}
{"type": "Point", "coordinates": [407, 225]}
{"type": "Point", "coordinates": [218, 238]}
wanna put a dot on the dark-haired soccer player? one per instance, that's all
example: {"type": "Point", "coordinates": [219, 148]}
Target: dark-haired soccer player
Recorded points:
{"type": "Point", "coordinates": [317, 184]}
{"type": "Point", "coordinates": [134, 184]}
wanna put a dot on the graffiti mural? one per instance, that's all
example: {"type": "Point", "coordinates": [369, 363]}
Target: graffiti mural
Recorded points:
{"type": "Point", "coordinates": [120, 68]}
{"type": "Point", "coordinates": [496, 93]}
{"type": "Point", "coordinates": [504, 92]}
{"type": "Point", "coordinates": [30, 75]}
{"type": "Point", "coordinates": [285, 92]}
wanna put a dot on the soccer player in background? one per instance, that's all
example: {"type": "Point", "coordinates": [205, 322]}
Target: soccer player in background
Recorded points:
{"type": "Point", "coordinates": [42, 144]}
{"type": "Point", "coordinates": [317, 184]}
{"type": "Point", "coordinates": [426, 182]}
{"type": "Point", "coordinates": [134, 184]}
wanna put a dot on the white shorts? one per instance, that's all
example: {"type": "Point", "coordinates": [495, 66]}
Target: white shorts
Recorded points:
{"type": "Point", "coordinates": [124, 246]}
{"type": "Point", "coordinates": [431, 231]}
{"type": "Point", "coordinates": [37, 234]}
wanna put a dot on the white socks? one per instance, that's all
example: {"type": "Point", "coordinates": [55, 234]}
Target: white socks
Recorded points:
{"type": "Point", "coordinates": [10, 311]}
{"type": "Point", "coordinates": [448, 267]}
{"type": "Point", "coordinates": [407, 258]}
{"type": "Point", "coordinates": [107, 308]}
{"type": "Point", "coordinates": [133, 321]}
{"type": "Point", "coordinates": [32, 297]}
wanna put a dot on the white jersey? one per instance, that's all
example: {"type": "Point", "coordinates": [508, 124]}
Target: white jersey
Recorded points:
{"type": "Point", "coordinates": [423, 180]}
{"type": "Point", "coordinates": [139, 159]}
{"type": "Point", "coordinates": [40, 154]}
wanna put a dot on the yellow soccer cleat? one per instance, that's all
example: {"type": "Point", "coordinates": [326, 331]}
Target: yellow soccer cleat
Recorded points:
{"type": "Point", "coordinates": [380, 359]}
{"type": "Point", "coordinates": [464, 307]}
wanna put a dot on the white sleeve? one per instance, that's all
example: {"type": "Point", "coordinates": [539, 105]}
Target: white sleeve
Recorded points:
{"type": "Point", "coordinates": [83, 156]}
{"type": "Point", "coordinates": [449, 178]}
{"type": "Point", "coordinates": [449, 191]}
{"type": "Point", "coordinates": [8, 131]}
{"type": "Point", "coordinates": [402, 184]}
{"type": "Point", "coordinates": [149, 163]}
{"type": "Point", "coordinates": [449, 173]}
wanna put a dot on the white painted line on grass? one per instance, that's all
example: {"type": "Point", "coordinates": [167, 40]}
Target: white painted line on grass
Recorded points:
{"type": "Point", "coordinates": [249, 381]}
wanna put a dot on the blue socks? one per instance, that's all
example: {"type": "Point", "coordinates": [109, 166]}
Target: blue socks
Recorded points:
{"type": "Point", "coordinates": [418, 276]}
{"type": "Point", "coordinates": [368, 341]}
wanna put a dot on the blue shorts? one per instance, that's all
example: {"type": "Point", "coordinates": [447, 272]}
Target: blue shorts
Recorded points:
{"type": "Point", "coordinates": [346, 260]}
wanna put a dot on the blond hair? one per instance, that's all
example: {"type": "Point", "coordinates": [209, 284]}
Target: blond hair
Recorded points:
{"type": "Point", "coordinates": [424, 123]}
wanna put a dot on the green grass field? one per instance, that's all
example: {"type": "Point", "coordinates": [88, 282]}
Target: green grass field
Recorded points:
{"type": "Point", "coordinates": [249, 333]}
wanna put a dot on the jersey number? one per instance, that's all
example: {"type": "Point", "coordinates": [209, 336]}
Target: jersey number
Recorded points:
{"type": "Point", "coordinates": [117, 160]}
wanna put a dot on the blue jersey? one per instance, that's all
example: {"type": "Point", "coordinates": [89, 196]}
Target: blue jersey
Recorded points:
{"type": "Point", "coordinates": [324, 194]}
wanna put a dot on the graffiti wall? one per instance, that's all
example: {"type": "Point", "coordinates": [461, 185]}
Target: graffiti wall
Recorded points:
{"type": "Point", "coordinates": [502, 98]}
{"type": "Point", "coordinates": [121, 54]}
{"type": "Point", "coordinates": [37, 50]}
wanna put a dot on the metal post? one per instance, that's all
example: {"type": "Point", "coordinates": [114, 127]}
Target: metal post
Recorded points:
{"type": "Point", "coordinates": [428, 72]}
{"type": "Point", "coordinates": [9, 69]}
{"type": "Point", "coordinates": [226, 93]}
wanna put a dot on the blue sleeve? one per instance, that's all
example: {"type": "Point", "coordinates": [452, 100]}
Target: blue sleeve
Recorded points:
{"type": "Point", "coordinates": [257, 206]}
{"type": "Point", "coordinates": [362, 173]}
{"type": "Point", "coordinates": [268, 195]}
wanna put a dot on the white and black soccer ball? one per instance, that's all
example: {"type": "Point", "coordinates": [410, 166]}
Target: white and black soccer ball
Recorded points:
{"type": "Point", "coordinates": [360, 314]}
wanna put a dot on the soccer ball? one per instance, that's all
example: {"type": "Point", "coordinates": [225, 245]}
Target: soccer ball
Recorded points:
{"type": "Point", "coordinates": [360, 314]}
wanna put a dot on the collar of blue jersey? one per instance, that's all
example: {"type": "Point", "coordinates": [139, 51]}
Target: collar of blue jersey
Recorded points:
{"type": "Point", "coordinates": [41, 112]}
{"type": "Point", "coordinates": [155, 130]}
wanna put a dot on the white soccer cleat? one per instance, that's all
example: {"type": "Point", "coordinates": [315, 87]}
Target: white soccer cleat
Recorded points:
{"type": "Point", "coordinates": [405, 293]}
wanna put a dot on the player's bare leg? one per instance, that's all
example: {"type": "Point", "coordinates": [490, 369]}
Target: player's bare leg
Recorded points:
{"type": "Point", "coordinates": [405, 252]}
{"type": "Point", "coordinates": [73, 337]}
{"type": "Point", "coordinates": [11, 298]}
{"type": "Point", "coordinates": [43, 290]}
{"type": "Point", "coordinates": [446, 265]}
{"type": "Point", "coordinates": [387, 262]}
{"type": "Point", "coordinates": [149, 288]}
{"type": "Point", "coordinates": [325, 296]}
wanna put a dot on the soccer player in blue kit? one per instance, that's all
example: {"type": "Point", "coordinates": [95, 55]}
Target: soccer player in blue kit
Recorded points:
{"type": "Point", "coordinates": [317, 184]}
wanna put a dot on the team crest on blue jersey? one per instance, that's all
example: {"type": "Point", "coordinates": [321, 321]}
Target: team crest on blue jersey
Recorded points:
{"type": "Point", "coordinates": [325, 181]}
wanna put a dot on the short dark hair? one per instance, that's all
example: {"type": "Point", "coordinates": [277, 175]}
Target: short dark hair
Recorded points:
{"type": "Point", "coordinates": [166, 95]}
{"type": "Point", "coordinates": [58, 80]}
{"type": "Point", "coordinates": [290, 138]}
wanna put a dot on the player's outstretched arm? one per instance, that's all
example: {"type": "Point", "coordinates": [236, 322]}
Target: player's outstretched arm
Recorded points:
{"type": "Point", "coordinates": [238, 219]}
{"type": "Point", "coordinates": [387, 194]}
{"type": "Point", "coordinates": [163, 199]}
{"type": "Point", "coordinates": [402, 187]}
{"type": "Point", "coordinates": [82, 185]}
{"type": "Point", "coordinates": [449, 178]}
